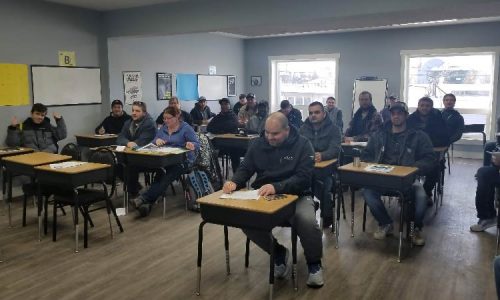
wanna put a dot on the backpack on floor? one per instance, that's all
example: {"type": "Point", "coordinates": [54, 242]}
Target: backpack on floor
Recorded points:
{"type": "Point", "coordinates": [199, 186]}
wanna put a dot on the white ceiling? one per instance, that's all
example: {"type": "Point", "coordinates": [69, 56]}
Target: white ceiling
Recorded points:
{"type": "Point", "coordinates": [106, 5]}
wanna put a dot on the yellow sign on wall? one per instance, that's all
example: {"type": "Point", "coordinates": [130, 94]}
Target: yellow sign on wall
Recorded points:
{"type": "Point", "coordinates": [67, 58]}
{"type": "Point", "coordinates": [14, 88]}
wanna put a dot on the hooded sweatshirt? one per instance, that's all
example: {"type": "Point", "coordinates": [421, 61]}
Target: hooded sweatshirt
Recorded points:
{"type": "Point", "coordinates": [113, 124]}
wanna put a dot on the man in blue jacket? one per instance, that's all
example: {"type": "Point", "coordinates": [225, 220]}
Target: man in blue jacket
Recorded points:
{"type": "Point", "coordinates": [284, 162]}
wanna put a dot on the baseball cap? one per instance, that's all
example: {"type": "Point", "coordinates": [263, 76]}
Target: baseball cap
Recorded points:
{"type": "Point", "coordinates": [202, 98]}
{"type": "Point", "coordinates": [399, 105]}
{"type": "Point", "coordinates": [116, 102]}
{"type": "Point", "coordinates": [250, 95]}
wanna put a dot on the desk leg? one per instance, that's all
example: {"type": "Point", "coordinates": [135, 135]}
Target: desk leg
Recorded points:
{"type": "Point", "coordinates": [9, 198]}
{"type": "Point", "coordinates": [247, 252]}
{"type": "Point", "coordinates": [226, 246]}
{"type": "Point", "coordinates": [401, 216]}
{"type": "Point", "coordinates": [352, 211]}
{"type": "Point", "coordinates": [271, 265]}
{"type": "Point", "coordinates": [77, 226]}
{"type": "Point", "coordinates": [200, 249]}
{"type": "Point", "coordinates": [39, 208]}
{"type": "Point", "coordinates": [294, 259]}
{"type": "Point", "coordinates": [125, 189]}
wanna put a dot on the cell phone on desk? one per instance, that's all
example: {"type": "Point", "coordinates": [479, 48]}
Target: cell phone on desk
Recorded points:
{"type": "Point", "coordinates": [274, 197]}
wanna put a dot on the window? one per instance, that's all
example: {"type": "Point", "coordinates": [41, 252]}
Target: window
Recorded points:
{"type": "Point", "coordinates": [469, 74]}
{"type": "Point", "coordinates": [303, 79]}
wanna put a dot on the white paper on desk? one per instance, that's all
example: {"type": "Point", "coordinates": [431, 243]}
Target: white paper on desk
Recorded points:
{"type": "Point", "coordinates": [156, 149]}
{"type": "Point", "coordinates": [66, 164]}
{"type": "Point", "coordinates": [242, 195]}
{"type": "Point", "coordinates": [379, 168]}
{"type": "Point", "coordinates": [120, 148]}
{"type": "Point", "coordinates": [362, 144]}
{"type": "Point", "coordinates": [105, 134]}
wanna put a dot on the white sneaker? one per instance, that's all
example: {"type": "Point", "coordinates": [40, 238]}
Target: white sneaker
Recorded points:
{"type": "Point", "coordinates": [383, 231]}
{"type": "Point", "coordinates": [282, 271]}
{"type": "Point", "coordinates": [418, 238]}
{"type": "Point", "coordinates": [315, 278]}
{"type": "Point", "coordinates": [483, 224]}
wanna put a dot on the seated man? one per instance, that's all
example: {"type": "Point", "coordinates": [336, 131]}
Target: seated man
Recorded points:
{"type": "Point", "coordinates": [365, 121]}
{"type": "Point", "coordinates": [248, 110]}
{"type": "Point", "coordinates": [201, 112]}
{"type": "Point", "coordinates": [487, 179]}
{"type": "Point", "coordinates": [386, 113]}
{"type": "Point", "coordinates": [491, 147]}
{"type": "Point", "coordinates": [174, 133]}
{"type": "Point", "coordinates": [429, 120]}
{"type": "Point", "coordinates": [452, 118]}
{"type": "Point", "coordinates": [185, 116]}
{"type": "Point", "coordinates": [293, 115]}
{"type": "Point", "coordinates": [114, 122]}
{"type": "Point", "coordinates": [283, 161]}
{"type": "Point", "coordinates": [325, 138]}
{"type": "Point", "coordinates": [257, 122]}
{"type": "Point", "coordinates": [136, 132]}
{"type": "Point", "coordinates": [398, 144]}
{"type": "Point", "coordinates": [334, 112]}
{"type": "Point", "coordinates": [227, 122]}
{"type": "Point", "coordinates": [242, 101]}
{"type": "Point", "coordinates": [36, 132]}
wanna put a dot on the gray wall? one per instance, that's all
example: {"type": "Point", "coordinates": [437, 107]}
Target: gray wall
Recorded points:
{"type": "Point", "coordinates": [192, 53]}
{"type": "Point", "coordinates": [374, 53]}
{"type": "Point", "coordinates": [32, 32]}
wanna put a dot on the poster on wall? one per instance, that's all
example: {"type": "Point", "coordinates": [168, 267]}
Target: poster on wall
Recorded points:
{"type": "Point", "coordinates": [163, 86]}
{"type": "Point", "coordinates": [231, 86]}
{"type": "Point", "coordinates": [132, 86]}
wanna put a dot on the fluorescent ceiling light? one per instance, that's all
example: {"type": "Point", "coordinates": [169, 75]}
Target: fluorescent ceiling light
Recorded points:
{"type": "Point", "coordinates": [427, 22]}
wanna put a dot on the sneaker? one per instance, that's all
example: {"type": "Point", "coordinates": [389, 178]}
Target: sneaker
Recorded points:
{"type": "Point", "coordinates": [483, 224]}
{"type": "Point", "coordinates": [144, 210]}
{"type": "Point", "coordinates": [138, 201]}
{"type": "Point", "coordinates": [315, 278]}
{"type": "Point", "coordinates": [418, 238]}
{"type": "Point", "coordinates": [327, 222]}
{"type": "Point", "coordinates": [283, 265]}
{"type": "Point", "coordinates": [383, 231]}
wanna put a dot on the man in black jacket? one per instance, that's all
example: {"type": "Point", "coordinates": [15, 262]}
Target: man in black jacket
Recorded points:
{"type": "Point", "coordinates": [201, 112]}
{"type": "Point", "coordinates": [114, 122]}
{"type": "Point", "coordinates": [227, 122]}
{"type": "Point", "coordinates": [242, 101]}
{"type": "Point", "coordinates": [325, 138]}
{"type": "Point", "coordinates": [365, 121]}
{"type": "Point", "coordinates": [293, 115]}
{"type": "Point", "coordinates": [397, 144]}
{"type": "Point", "coordinates": [453, 119]}
{"type": "Point", "coordinates": [429, 120]}
{"type": "Point", "coordinates": [185, 116]}
{"type": "Point", "coordinates": [284, 162]}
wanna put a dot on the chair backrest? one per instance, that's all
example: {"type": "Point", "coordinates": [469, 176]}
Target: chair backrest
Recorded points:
{"type": "Point", "coordinates": [71, 149]}
{"type": "Point", "coordinates": [104, 155]}
{"type": "Point", "coordinates": [474, 128]}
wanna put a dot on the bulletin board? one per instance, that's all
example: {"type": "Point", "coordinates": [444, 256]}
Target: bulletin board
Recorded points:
{"type": "Point", "coordinates": [14, 86]}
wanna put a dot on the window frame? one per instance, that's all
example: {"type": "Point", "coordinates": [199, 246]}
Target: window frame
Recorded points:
{"type": "Point", "coordinates": [494, 51]}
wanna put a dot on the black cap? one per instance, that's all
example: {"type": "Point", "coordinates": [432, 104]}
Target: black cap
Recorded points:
{"type": "Point", "coordinates": [399, 105]}
{"type": "Point", "coordinates": [250, 95]}
{"type": "Point", "coordinates": [224, 100]}
{"type": "Point", "coordinates": [392, 97]}
{"type": "Point", "coordinates": [116, 102]}
{"type": "Point", "coordinates": [202, 98]}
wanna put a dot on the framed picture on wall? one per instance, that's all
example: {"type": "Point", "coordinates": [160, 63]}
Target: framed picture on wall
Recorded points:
{"type": "Point", "coordinates": [256, 80]}
{"type": "Point", "coordinates": [132, 86]}
{"type": "Point", "coordinates": [231, 85]}
{"type": "Point", "coordinates": [163, 86]}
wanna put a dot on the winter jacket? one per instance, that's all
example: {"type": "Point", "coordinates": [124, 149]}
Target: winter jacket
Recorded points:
{"type": "Point", "coordinates": [416, 152]}
{"type": "Point", "coordinates": [361, 129]}
{"type": "Point", "coordinates": [40, 137]}
{"type": "Point", "coordinates": [185, 116]}
{"type": "Point", "coordinates": [179, 138]}
{"type": "Point", "coordinates": [435, 127]}
{"type": "Point", "coordinates": [336, 116]}
{"type": "Point", "coordinates": [197, 114]}
{"type": "Point", "coordinates": [288, 167]}
{"type": "Point", "coordinates": [224, 123]}
{"type": "Point", "coordinates": [256, 124]}
{"type": "Point", "coordinates": [295, 118]}
{"type": "Point", "coordinates": [237, 107]}
{"type": "Point", "coordinates": [145, 132]}
{"type": "Point", "coordinates": [325, 140]}
{"type": "Point", "coordinates": [454, 124]}
{"type": "Point", "coordinates": [113, 124]}
{"type": "Point", "coordinates": [246, 112]}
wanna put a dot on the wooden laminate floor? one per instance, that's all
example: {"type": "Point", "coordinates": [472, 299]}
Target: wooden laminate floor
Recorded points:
{"type": "Point", "coordinates": [155, 258]}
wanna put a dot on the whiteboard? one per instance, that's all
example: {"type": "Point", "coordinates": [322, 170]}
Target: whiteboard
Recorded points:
{"type": "Point", "coordinates": [378, 89]}
{"type": "Point", "coordinates": [53, 85]}
{"type": "Point", "coordinates": [213, 87]}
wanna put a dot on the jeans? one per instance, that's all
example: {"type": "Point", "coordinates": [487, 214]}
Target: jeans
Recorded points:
{"type": "Point", "coordinates": [323, 183]}
{"type": "Point", "coordinates": [487, 179]}
{"type": "Point", "coordinates": [379, 212]}
{"type": "Point", "coordinates": [161, 182]}
{"type": "Point", "coordinates": [490, 146]}
{"type": "Point", "coordinates": [307, 228]}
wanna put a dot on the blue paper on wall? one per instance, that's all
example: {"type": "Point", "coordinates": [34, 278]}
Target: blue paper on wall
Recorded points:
{"type": "Point", "coordinates": [187, 87]}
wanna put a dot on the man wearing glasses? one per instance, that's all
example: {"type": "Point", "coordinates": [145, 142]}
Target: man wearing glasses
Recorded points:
{"type": "Point", "coordinates": [325, 138]}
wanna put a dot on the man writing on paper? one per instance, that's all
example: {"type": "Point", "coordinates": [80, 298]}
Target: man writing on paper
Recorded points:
{"type": "Point", "coordinates": [114, 122]}
{"type": "Point", "coordinates": [325, 138]}
{"type": "Point", "coordinates": [284, 162]}
{"type": "Point", "coordinates": [397, 144]}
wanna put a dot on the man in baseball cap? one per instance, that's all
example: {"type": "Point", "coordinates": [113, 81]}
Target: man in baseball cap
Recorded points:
{"type": "Point", "coordinates": [114, 122]}
{"type": "Point", "coordinates": [201, 112]}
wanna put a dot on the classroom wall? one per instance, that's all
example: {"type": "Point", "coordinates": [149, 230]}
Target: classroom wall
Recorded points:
{"type": "Point", "coordinates": [190, 53]}
{"type": "Point", "coordinates": [32, 32]}
{"type": "Point", "coordinates": [368, 53]}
